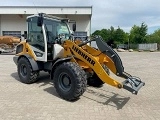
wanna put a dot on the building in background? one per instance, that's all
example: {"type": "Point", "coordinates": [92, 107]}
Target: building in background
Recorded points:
{"type": "Point", "coordinates": [13, 18]}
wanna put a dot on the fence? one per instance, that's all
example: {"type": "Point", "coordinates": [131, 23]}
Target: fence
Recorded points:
{"type": "Point", "coordinates": [150, 46]}
{"type": "Point", "coordinates": [128, 46]}
{"type": "Point", "coordinates": [133, 46]}
{"type": "Point", "coordinates": [146, 46]}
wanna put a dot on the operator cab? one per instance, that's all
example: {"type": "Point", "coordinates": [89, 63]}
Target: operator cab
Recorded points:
{"type": "Point", "coordinates": [45, 34]}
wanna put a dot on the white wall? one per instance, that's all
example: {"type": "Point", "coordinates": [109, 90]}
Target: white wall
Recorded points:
{"type": "Point", "coordinates": [18, 22]}
{"type": "Point", "coordinates": [13, 23]}
{"type": "Point", "coordinates": [82, 22]}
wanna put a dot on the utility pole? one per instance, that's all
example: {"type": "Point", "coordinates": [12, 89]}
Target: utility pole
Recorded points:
{"type": "Point", "coordinates": [128, 43]}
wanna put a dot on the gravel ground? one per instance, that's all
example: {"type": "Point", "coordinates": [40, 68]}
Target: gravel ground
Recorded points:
{"type": "Point", "coordinates": [39, 101]}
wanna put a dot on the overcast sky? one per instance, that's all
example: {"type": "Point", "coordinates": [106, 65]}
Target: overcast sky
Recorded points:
{"type": "Point", "coordinates": [106, 13]}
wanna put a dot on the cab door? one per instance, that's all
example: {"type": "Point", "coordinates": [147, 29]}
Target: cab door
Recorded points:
{"type": "Point", "coordinates": [37, 39]}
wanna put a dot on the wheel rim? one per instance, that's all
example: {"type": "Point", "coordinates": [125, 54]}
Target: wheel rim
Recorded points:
{"type": "Point", "coordinates": [23, 70]}
{"type": "Point", "coordinates": [64, 82]}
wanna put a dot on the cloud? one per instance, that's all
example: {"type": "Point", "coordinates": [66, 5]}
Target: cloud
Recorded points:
{"type": "Point", "coordinates": [125, 13]}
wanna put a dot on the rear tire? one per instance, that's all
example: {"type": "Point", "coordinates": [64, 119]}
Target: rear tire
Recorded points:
{"type": "Point", "coordinates": [25, 71]}
{"type": "Point", "coordinates": [95, 81]}
{"type": "Point", "coordinates": [70, 81]}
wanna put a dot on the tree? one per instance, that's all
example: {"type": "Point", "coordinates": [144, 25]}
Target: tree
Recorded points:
{"type": "Point", "coordinates": [120, 36]}
{"type": "Point", "coordinates": [154, 38]}
{"type": "Point", "coordinates": [97, 32]}
{"type": "Point", "coordinates": [106, 34]}
{"type": "Point", "coordinates": [113, 36]}
{"type": "Point", "coordinates": [138, 33]}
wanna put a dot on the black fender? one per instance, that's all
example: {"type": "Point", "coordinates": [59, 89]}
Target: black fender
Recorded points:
{"type": "Point", "coordinates": [33, 63]}
{"type": "Point", "coordinates": [59, 61]}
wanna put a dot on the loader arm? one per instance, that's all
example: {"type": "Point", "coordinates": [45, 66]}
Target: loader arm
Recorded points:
{"type": "Point", "coordinates": [105, 55]}
{"type": "Point", "coordinates": [93, 63]}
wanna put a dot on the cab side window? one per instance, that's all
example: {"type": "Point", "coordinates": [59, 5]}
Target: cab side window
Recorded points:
{"type": "Point", "coordinates": [35, 35]}
{"type": "Point", "coordinates": [51, 30]}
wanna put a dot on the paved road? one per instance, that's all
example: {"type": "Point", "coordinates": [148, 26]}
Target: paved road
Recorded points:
{"type": "Point", "coordinates": [39, 101]}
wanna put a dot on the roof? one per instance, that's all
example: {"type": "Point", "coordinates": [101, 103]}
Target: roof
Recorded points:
{"type": "Point", "coordinates": [85, 10]}
{"type": "Point", "coordinates": [46, 6]}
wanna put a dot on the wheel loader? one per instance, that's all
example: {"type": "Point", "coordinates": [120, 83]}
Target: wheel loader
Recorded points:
{"type": "Point", "coordinates": [72, 64]}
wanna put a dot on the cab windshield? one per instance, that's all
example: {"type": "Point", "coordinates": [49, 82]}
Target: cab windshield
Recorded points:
{"type": "Point", "coordinates": [56, 30]}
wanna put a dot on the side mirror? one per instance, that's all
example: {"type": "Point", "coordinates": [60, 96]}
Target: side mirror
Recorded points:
{"type": "Point", "coordinates": [39, 21]}
{"type": "Point", "coordinates": [74, 27]}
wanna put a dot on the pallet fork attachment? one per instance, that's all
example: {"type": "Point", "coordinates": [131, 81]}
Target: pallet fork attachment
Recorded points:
{"type": "Point", "coordinates": [133, 84]}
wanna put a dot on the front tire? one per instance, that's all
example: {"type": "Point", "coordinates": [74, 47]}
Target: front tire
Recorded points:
{"type": "Point", "coordinates": [25, 71]}
{"type": "Point", "coordinates": [70, 81]}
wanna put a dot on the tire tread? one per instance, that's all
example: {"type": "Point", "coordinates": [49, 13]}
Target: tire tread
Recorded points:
{"type": "Point", "coordinates": [33, 76]}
